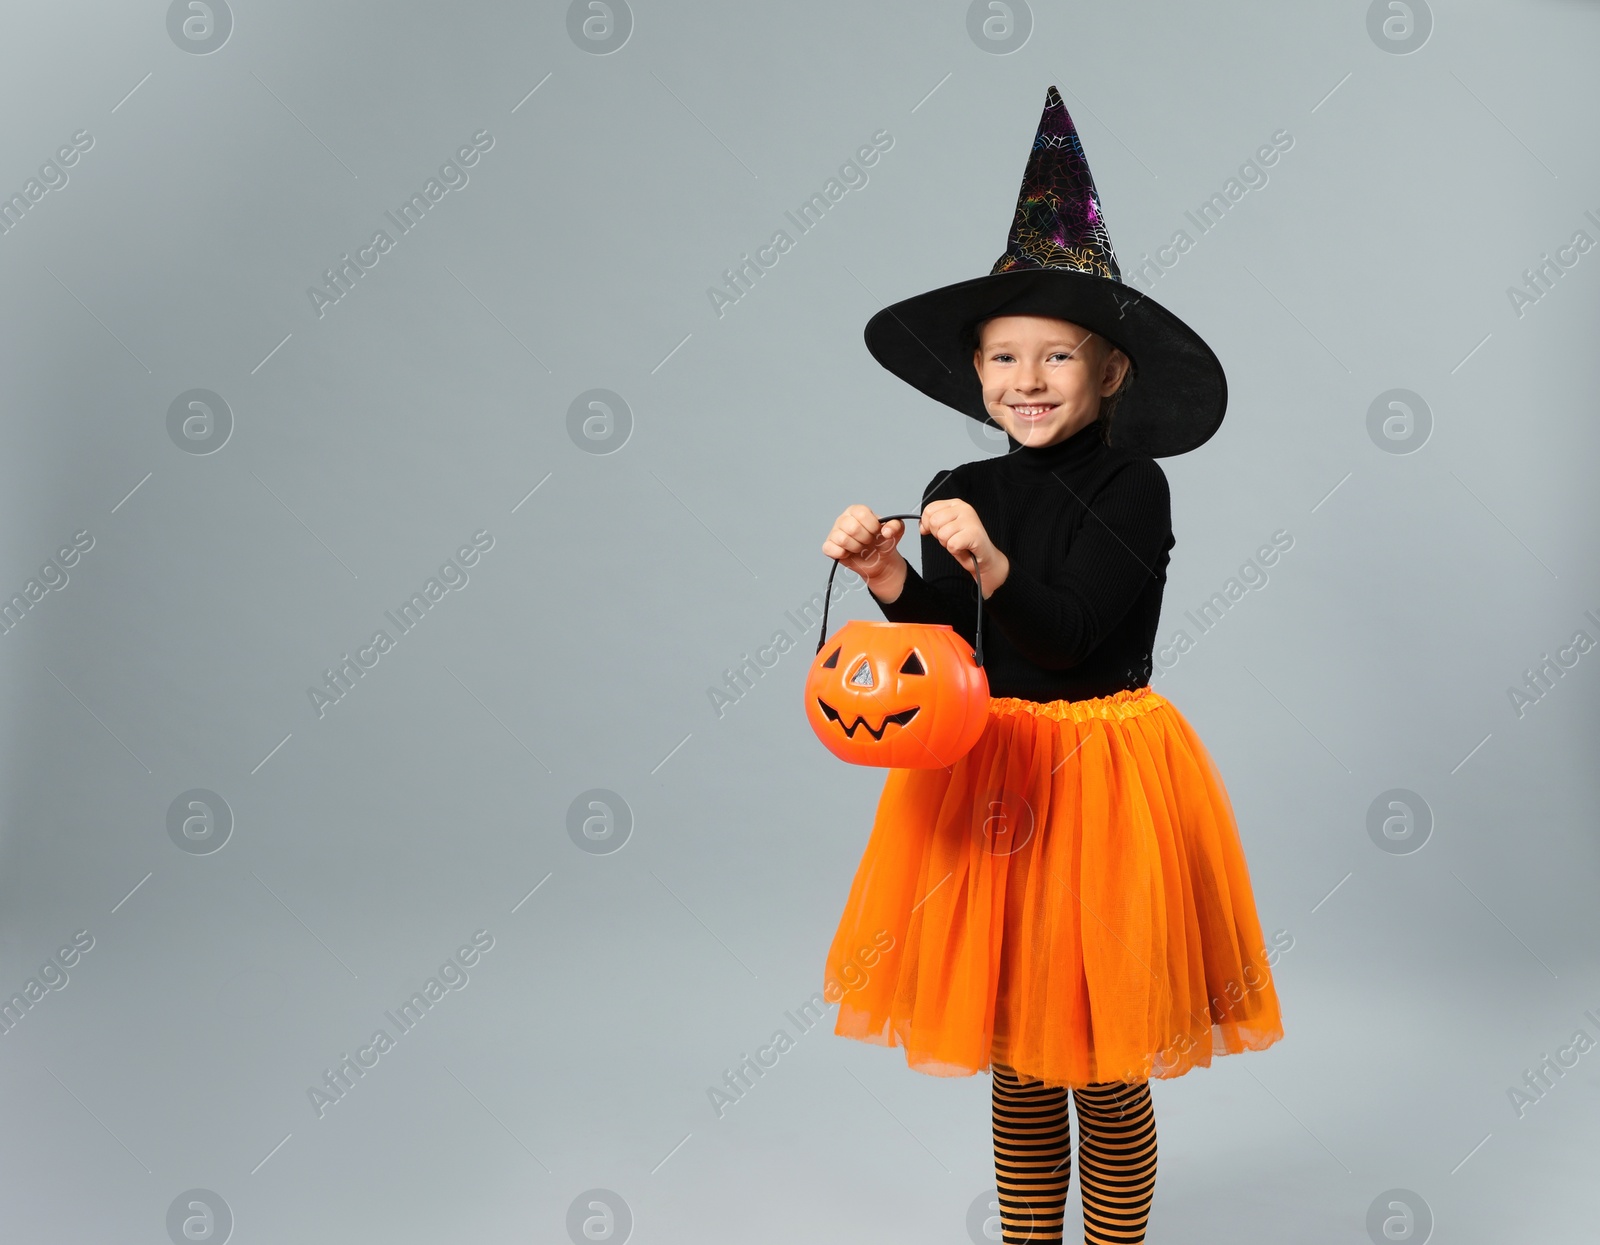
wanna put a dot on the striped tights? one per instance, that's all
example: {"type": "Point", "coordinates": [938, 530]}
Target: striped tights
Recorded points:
{"type": "Point", "coordinates": [1033, 1158]}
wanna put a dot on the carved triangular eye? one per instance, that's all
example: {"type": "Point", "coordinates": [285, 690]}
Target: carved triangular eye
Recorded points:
{"type": "Point", "coordinates": [833, 660]}
{"type": "Point", "coordinates": [912, 664]}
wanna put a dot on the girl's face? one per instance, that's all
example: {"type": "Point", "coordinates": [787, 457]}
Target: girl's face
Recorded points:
{"type": "Point", "coordinates": [1043, 378]}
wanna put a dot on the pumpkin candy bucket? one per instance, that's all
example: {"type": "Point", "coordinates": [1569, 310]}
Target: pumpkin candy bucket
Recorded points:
{"type": "Point", "coordinates": [900, 695]}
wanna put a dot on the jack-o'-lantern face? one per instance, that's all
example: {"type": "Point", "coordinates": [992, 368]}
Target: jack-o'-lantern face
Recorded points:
{"type": "Point", "coordinates": [864, 679]}
{"type": "Point", "coordinates": [906, 695]}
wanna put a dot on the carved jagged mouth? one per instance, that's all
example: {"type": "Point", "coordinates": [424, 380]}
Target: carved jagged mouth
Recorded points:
{"type": "Point", "coordinates": [901, 718]}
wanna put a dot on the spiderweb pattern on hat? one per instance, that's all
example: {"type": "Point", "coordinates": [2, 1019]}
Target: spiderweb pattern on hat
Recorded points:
{"type": "Point", "coordinates": [1058, 221]}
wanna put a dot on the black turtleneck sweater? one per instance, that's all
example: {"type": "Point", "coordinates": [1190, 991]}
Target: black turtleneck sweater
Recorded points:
{"type": "Point", "coordinates": [1088, 531]}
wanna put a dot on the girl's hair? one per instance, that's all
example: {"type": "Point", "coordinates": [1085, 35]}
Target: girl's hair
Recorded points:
{"type": "Point", "coordinates": [1108, 404]}
{"type": "Point", "coordinates": [973, 332]}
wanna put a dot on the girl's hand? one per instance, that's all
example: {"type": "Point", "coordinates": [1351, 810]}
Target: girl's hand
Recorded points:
{"type": "Point", "coordinates": [862, 543]}
{"type": "Point", "coordinates": [956, 526]}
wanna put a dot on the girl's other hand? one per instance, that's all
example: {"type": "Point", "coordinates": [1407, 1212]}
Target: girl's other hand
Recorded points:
{"type": "Point", "coordinates": [862, 543]}
{"type": "Point", "coordinates": [956, 526]}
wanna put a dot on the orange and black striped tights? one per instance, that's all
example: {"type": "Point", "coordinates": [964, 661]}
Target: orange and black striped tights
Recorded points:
{"type": "Point", "coordinates": [1033, 1158]}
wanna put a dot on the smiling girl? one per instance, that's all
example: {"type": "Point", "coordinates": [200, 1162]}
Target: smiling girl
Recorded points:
{"type": "Point", "coordinates": [1070, 903]}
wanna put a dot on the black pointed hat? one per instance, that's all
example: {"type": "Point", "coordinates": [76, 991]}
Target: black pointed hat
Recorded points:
{"type": "Point", "coordinates": [1059, 262]}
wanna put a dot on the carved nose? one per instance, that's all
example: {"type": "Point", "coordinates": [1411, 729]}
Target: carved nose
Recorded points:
{"type": "Point", "coordinates": [861, 676]}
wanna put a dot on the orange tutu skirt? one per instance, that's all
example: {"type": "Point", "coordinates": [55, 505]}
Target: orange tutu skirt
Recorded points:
{"type": "Point", "coordinates": [1070, 899]}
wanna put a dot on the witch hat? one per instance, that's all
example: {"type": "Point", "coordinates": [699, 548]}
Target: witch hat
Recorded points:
{"type": "Point", "coordinates": [1059, 262]}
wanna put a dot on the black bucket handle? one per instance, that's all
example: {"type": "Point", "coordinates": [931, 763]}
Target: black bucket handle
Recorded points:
{"type": "Point", "coordinates": [977, 651]}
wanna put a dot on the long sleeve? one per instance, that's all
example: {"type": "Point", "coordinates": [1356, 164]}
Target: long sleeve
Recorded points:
{"type": "Point", "coordinates": [1117, 550]}
{"type": "Point", "coordinates": [943, 592]}
{"type": "Point", "coordinates": [941, 601]}
{"type": "Point", "coordinates": [1087, 530]}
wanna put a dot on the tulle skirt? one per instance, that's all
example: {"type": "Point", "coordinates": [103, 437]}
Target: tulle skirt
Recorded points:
{"type": "Point", "coordinates": [1070, 899]}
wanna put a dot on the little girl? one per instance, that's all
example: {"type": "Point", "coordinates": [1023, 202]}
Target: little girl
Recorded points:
{"type": "Point", "coordinates": [1068, 905]}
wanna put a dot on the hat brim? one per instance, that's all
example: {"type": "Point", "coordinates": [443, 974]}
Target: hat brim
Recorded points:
{"type": "Point", "coordinates": [1179, 391]}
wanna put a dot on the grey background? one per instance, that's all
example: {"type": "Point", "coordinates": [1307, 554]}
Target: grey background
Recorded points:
{"type": "Point", "coordinates": [431, 403]}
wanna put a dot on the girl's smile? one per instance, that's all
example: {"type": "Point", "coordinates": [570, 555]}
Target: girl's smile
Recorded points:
{"type": "Point", "coordinates": [1043, 378]}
